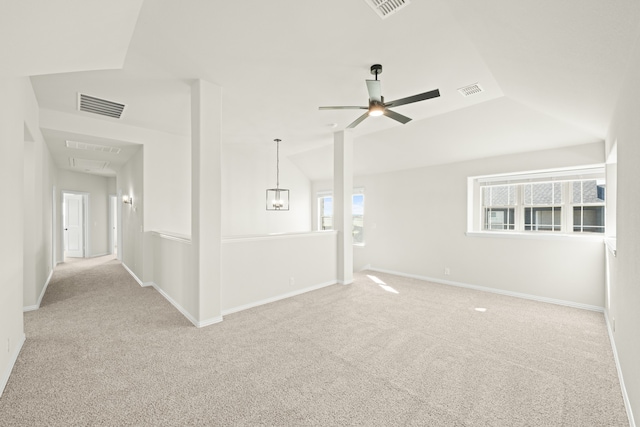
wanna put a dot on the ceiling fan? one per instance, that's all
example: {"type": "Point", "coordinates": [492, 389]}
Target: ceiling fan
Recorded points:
{"type": "Point", "coordinates": [377, 106]}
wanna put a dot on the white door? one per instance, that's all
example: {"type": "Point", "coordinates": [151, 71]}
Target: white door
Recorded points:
{"type": "Point", "coordinates": [113, 221]}
{"type": "Point", "coordinates": [73, 226]}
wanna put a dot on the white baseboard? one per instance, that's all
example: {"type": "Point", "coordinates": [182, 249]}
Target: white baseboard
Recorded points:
{"type": "Point", "coordinates": [277, 298]}
{"type": "Point", "coordinates": [14, 357]}
{"type": "Point", "coordinates": [99, 255]}
{"type": "Point", "coordinates": [133, 275]}
{"type": "Point", "coordinates": [625, 396]}
{"type": "Point", "coordinates": [494, 290]}
{"type": "Point", "coordinates": [185, 313]}
{"type": "Point", "coordinates": [44, 289]}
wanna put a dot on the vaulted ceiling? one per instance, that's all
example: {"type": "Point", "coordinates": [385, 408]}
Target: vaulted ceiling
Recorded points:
{"type": "Point", "coordinates": [550, 71]}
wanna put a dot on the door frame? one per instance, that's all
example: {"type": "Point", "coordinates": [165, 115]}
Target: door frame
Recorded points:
{"type": "Point", "coordinates": [85, 220]}
{"type": "Point", "coordinates": [114, 221]}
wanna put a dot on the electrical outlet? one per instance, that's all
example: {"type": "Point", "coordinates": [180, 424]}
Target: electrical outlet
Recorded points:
{"type": "Point", "coordinates": [292, 281]}
{"type": "Point", "coordinates": [8, 345]}
{"type": "Point", "coordinates": [447, 271]}
{"type": "Point", "coordinates": [613, 324]}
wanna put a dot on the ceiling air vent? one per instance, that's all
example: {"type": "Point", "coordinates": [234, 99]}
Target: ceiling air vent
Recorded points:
{"type": "Point", "coordinates": [384, 8]}
{"type": "Point", "coordinates": [93, 147]}
{"type": "Point", "coordinates": [471, 89]}
{"type": "Point", "coordinates": [87, 165]}
{"type": "Point", "coordinates": [103, 107]}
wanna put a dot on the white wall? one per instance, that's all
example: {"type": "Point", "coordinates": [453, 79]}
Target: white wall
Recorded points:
{"type": "Point", "coordinates": [130, 182]}
{"type": "Point", "coordinates": [11, 222]}
{"type": "Point", "coordinates": [257, 270]}
{"type": "Point", "coordinates": [415, 223]}
{"type": "Point", "coordinates": [98, 227]}
{"type": "Point", "coordinates": [40, 174]}
{"type": "Point", "coordinates": [624, 302]}
{"type": "Point", "coordinates": [246, 175]}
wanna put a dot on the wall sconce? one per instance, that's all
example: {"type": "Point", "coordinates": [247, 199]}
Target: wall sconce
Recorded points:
{"type": "Point", "coordinates": [127, 199]}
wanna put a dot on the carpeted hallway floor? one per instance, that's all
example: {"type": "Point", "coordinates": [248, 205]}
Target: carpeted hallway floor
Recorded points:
{"type": "Point", "coordinates": [103, 351]}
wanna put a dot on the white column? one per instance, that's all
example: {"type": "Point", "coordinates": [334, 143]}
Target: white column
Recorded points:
{"type": "Point", "coordinates": [206, 198]}
{"type": "Point", "coordinates": [342, 194]}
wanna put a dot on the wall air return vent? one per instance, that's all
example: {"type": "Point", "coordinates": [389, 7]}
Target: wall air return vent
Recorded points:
{"type": "Point", "coordinates": [103, 107]}
{"type": "Point", "coordinates": [471, 90]}
{"type": "Point", "coordinates": [385, 8]}
{"type": "Point", "coordinates": [93, 147]}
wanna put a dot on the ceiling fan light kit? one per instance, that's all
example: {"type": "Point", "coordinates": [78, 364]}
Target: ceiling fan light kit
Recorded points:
{"type": "Point", "coordinates": [277, 198]}
{"type": "Point", "coordinates": [377, 107]}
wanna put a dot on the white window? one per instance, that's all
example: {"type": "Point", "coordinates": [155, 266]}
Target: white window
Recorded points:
{"type": "Point", "coordinates": [560, 201]}
{"type": "Point", "coordinates": [325, 214]}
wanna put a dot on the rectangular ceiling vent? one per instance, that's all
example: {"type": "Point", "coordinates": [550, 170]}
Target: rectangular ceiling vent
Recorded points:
{"type": "Point", "coordinates": [94, 105]}
{"type": "Point", "coordinates": [93, 147]}
{"type": "Point", "coordinates": [471, 89]}
{"type": "Point", "coordinates": [385, 8]}
{"type": "Point", "coordinates": [88, 165]}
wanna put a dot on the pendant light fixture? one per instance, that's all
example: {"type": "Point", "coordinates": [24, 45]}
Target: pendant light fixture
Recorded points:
{"type": "Point", "coordinates": [277, 198]}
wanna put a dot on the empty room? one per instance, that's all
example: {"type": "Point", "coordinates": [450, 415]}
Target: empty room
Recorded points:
{"type": "Point", "coordinates": [373, 212]}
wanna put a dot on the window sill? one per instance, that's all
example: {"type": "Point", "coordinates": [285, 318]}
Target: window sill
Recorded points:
{"type": "Point", "coordinates": [359, 245]}
{"type": "Point", "coordinates": [535, 236]}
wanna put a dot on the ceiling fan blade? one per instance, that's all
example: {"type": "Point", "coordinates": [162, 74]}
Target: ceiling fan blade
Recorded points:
{"type": "Point", "coordinates": [375, 90]}
{"type": "Point", "coordinates": [415, 98]}
{"type": "Point", "coordinates": [359, 120]}
{"type": "Point", "coordinates": [395, 116]}
{"type": "Point", "coordinates": [343, 108]}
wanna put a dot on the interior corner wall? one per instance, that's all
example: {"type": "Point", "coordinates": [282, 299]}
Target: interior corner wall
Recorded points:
{"type": "Point", "coordinates": [624, 280]}
{"type": "Point", "coordinates": [11, 222]}
{"type": "Point", "coordinates": [415, 223]}
{"type": "Point", "coordinates": [98, 189]}
{"type": "Point", "coordinates": [40, 175]}
{"type": "Point", "coordinates": [246, 175]}
{"type": "Point", "coordinates": [130, 182]}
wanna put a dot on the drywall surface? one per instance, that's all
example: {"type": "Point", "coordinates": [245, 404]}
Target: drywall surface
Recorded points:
{"type": "Point", "coordinates": [173, 271]}
{"type": "Point", "coordinates": [260, 269]}
{"type": "Point", "coordinates": [40, 175]}
{"type": "Point", "coordinates": [11, 223]}
{"type": "Point", "coordinates": [246, 175]}
{"type": "Point", "coordinates": [624, 294]}
{"type": "Point", "coordinates": [415, 223]}
{"type": "Point", "coordinates": [130, 182]}
{"type": "Point", "coordinates": [98, 227]}
{"type": "Point", "coordinates": [167, 184]}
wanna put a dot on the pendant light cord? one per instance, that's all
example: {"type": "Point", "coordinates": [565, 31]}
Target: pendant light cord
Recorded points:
{"type": "Point", "coordinates": [277, 163]}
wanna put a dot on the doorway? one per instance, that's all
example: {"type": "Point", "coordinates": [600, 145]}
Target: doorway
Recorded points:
{"type": "Point", "coordinates": [74, 224]}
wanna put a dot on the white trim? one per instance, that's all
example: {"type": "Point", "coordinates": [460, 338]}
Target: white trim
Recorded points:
{"type": "Point", "coordinates": [536, 235]}
{"type": "Point", "coordinates": [44, 289]}
{"type": "Point", "coordinates": [253, 238]}
{"type": "Point", "coordinates": [14, 357]}
{"type": "Point", "coordinates": [277, 298]}
{"type": "Point", "coordinates": [185, 313]}
{"type": "Point", "coordinates": [625, 396]}
{"type": "Point", "coordinates": [182, 238]}
{"type": "Point", "coordinates": [99, 255]}
{"type": "Point", "coordinates": [140, 282]}
{"type": "Point", "coordinates": [611, 245]}
{"type": "Point", "coordinates": [494, 290]}
{"type": "Point", "coordinates": [342, 282]}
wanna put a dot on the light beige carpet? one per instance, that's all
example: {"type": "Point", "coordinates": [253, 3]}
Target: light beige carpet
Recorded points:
{"type": "Point", "coordinates": [103, 351]}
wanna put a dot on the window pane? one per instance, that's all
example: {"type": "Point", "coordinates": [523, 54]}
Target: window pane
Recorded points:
{"type": "Point", "coordinates": [357, 211]}
{"type": "Point", "coordinates": [547, 193]}
{"type": "Point", "coordinates": [499, 195]}
{"type": "Point", "coordinates": [325, 207]}
{"type": "Point", "coordinates": [542, 219]}
{"type": "Point", "coordinates": [499, 219]}
{"type": "Point", "coordinates": [588, 219]}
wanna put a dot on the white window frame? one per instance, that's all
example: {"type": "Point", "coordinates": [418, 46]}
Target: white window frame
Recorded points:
{"type": "Point", "coordinates": [328, 193]}
{"type": "Point", "coordinates": [475, 208]}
